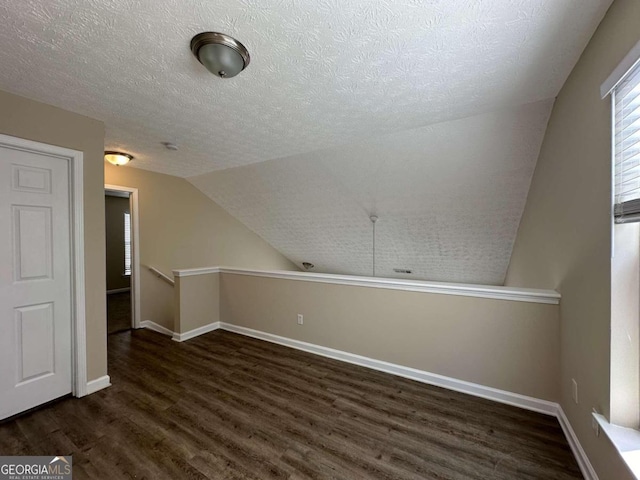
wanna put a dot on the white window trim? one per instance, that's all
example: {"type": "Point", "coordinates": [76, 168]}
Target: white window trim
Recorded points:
{"type": "Point", "coordinates": [625, 440]}
{"type": "Point", "coordinates": [127, 219]}
{"type": "Point", "coordinates": [628, 62]}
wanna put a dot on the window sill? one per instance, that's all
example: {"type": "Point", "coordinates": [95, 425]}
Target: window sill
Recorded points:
{"type": "Point", "coordinates": [626, 441]}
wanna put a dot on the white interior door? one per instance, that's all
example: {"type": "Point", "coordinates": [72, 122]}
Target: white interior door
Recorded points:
{"type": "Point", "coordinates": [35, 280]}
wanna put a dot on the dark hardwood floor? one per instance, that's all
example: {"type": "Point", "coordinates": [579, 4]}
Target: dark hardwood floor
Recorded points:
{"type": "Point", "coordinates": [118, 312]}
{"type": "Point", "coordinates": [225, 406]}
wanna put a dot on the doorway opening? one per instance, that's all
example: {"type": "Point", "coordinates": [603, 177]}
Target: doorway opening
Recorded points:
{"type": "Point", "coordinates": [121, 229]}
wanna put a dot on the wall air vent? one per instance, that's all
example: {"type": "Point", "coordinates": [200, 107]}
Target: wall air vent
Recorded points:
{"type": "Point", "coordinates": [402, 270]}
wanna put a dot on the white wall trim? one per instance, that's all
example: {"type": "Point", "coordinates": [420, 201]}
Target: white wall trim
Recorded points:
{"type": "Point", "coordinates": [188, 272]}
{"type": "Point", "coordinates": [530, 295]}
{"type": "Point", "coordinates": [628, 62]}
{"type": "Point", "coordinates": [80, 324]}
{"type": "Point", "coordinates": [118, 290]}
{"type": "Point", "coordinates": [625, 440]}
{"type": "Point", "coordinates": [98, 384]}
{"type": "Point", "coordinates": [156, 327]}
{"type": "Point", "coordinates": [181, 337]}
{"type": "Point", "coordinates": [489, 393]}
{"type": "Point", "coordinates": [581, 457]}
{"type": "Point", "coordinates": [76, 178]}
{"type": "Point", "coordinates": [501, 396]}
{"type": "Point", "coordinates": [135, 240]}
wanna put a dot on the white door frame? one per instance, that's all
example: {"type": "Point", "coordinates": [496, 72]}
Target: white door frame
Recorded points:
{"type": "Point", "coordinates": [135, 251]}
{"type": "Point", "coordinates": [75, 160]}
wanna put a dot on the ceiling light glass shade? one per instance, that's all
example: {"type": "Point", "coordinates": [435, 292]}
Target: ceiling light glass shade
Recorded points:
{"type": "Point", "coordinates": [117, 158]}
{"type": "Point", "coordinates": [221, 54]}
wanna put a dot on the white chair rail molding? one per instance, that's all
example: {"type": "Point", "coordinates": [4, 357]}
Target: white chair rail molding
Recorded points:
{"type": "Point", "coordinates": [400, 327]}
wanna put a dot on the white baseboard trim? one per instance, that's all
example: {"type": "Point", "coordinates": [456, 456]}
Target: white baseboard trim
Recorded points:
{"type": "Point", "coordinates": [119, 290]}
{"type": "Point", "coordinates": [98, 384]}
{"type": "Point", "coordinates": [581, 457]}
{"type": "Point", "coordinates": [489, 393]}
{"type": "Point", "coordinates": [181, 337]}
{"type": "Point", "coordinates": [156, 327]}
{"type": "Point", "coordinates": [502, 396]}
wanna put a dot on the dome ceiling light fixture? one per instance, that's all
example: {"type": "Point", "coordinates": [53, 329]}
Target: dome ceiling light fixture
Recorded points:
{"type": "Point", "coordinates": [221, 54]}
{"type": "Point", "coordinates": [117, 158]}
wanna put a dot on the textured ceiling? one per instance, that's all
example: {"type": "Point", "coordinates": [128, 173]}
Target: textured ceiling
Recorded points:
{"type": "Point", "coordinates": [323, 72]}
{"type": "Point", "coordinates": [449, 198]}
{"type": "Point", "coordinates": [429, 113]}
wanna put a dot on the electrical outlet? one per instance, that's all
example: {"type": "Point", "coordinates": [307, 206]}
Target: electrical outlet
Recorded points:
{"type": "Point", "coordinates": [574, 390]}
{"type": "Point", "coordinates": [300, 319]}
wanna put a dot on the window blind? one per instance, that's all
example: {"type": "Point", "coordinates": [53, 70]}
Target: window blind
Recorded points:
{"type": "Point", "coordinates": [626, 101]}
{"type": "Point", "coordinates": [127, 244]}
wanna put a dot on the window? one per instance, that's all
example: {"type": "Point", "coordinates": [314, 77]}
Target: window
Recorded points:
{"type": "Point", "coordinates": [127, 244]}
{"type": "Point", "coordinates": [626, 104]}
{"type": "Point", "coordinates": [624, 86]}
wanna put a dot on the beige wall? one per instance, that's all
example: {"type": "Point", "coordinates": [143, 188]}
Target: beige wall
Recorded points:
{"type": "Point", "coordinates": [180, 227]}
{"type": "Point", "coordinates": [36, 121]}
{"type": "Point", "coordinates": [197, 300]}
{"type": "Point", "coordinates": [503, 344]}
{"type": "Point", "coordinates": [564, 238]}
{"type": "Point", "coordinates": [156, 299]}
{"type": "Point", "coordinates": [114, 210]}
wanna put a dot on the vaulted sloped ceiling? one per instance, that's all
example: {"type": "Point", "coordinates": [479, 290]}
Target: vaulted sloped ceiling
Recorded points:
{"type": "Point", "coordinates": [428, 113]}
{"type": "Point", "coordinates": [448, 196]}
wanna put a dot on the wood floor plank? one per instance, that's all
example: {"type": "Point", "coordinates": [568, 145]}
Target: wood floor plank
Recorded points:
{"type": "Point", "coordinates": [224, 406]}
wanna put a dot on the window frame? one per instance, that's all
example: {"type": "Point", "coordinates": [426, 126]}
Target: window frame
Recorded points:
{"type": "Point", "coordinates": [128, 260]}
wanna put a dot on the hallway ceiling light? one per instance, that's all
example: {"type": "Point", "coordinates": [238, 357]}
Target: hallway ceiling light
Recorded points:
{"type": "Point", "coordinates": [221, 54]}
{"type": "Point", "coordinates": [117, 158]}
